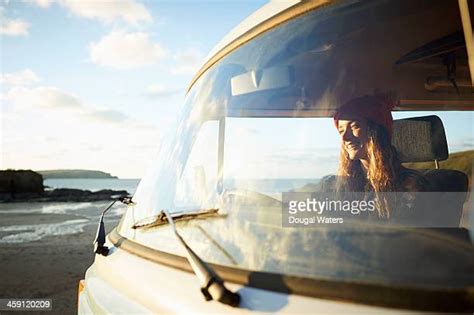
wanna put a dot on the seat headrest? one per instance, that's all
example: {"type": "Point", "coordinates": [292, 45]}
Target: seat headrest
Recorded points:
{"type": "Point", "coordinates": [420, 139]}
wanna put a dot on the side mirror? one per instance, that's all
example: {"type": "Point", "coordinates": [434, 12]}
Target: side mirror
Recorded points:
{"type": "Point", "coordinates": [99, 240]}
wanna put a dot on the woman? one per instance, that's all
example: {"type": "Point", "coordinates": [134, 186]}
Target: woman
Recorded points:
{"type": "Point", "coordinates": [368, 161]}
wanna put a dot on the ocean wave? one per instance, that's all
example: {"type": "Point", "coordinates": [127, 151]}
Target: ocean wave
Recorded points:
{"type": "Point", "coordinates": [119, 211]}
{"type": "Point", "coordinates": [58, 208]}
{"type": "Point", "coordinates": [35, 232]}
{"type": "Point", "coordinates": [63, 208]}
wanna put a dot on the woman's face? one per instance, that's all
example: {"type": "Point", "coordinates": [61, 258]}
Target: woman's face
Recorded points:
{"type": "Point", "coordinates": [354, 137]}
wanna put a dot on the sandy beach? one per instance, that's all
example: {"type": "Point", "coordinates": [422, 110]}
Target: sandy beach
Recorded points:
{"type": "Point", "coordinates": [45, 250]}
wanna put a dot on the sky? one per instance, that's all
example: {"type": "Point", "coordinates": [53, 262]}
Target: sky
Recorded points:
{"type": "Point", "coordinates": [96, 84]}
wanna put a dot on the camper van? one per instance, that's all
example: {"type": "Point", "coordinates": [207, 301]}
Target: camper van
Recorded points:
{"type": "Point", "coordinates": [212, 227]}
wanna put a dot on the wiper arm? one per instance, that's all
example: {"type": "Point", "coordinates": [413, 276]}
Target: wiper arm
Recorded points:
{"type": "Point", "coordinates": [212, 286]}
{"type": "Point", "coordinates": [161, 218]}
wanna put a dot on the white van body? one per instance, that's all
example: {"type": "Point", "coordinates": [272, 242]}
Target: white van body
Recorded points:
{"type": "Point", "coordinates": [146, 270]}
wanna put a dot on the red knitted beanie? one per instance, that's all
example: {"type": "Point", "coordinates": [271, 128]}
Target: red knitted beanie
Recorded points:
{"type": "Point", "coordinates": [374, 108]}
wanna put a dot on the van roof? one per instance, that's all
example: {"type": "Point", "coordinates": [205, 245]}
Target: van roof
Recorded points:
{"type": "Point", "coordinates": [268, 16]}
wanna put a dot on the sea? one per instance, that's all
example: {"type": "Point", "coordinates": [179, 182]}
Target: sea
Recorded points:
{"type": "Point", "coordinates": [23, 222]}
{"type": "Point", "coordinates": [130, 185]}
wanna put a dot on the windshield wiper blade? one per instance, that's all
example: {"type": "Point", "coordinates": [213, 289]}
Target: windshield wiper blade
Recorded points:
{"type": "Point", "coordinates": [212, 286]}
{"type": "Point", "coordinates": [161, 218]}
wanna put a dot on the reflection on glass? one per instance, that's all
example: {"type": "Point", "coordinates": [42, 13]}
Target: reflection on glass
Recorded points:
{"type": "Point", "coordinates": [259, 123]}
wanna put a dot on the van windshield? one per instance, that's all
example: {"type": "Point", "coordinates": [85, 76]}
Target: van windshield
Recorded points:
{"type": "Point", "coordinates": [257, 133]}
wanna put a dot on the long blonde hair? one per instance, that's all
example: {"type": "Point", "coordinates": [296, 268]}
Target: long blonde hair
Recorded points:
{"type": "Point", "coordinates": [384, 174]}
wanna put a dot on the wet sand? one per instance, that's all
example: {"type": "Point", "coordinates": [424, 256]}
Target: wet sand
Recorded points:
{"type": "Point", "coordinates": [47, 268]}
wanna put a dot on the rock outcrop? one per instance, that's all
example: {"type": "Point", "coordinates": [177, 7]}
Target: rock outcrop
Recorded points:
{"type": "Point", "coordinates": [20, 181]}
{"type": "Point", "coordinates": [26, 186]}
{"type": "Point", "coordinates": [79, 195]}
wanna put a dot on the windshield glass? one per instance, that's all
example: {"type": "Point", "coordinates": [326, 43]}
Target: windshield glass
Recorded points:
{"type": "Point", "coordinates": [257, 131]}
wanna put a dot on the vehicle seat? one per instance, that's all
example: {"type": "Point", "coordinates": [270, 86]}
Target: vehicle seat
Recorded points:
{"type": "Point", "coordinates": [422, 139]}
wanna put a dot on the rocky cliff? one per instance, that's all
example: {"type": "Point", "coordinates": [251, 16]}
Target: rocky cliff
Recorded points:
{"type": "Point", "coordinates": [27, 186]}
{"type": "Point", "coordinates": [20, 181]}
